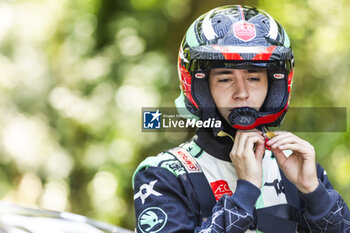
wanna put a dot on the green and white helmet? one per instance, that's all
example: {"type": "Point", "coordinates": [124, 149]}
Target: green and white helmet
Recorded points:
{"type": "Point", "coordinates": [239, 37]}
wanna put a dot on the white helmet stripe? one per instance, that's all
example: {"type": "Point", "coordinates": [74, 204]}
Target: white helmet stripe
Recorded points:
{"type": "Point", "coordinates": [273, 28]}
{"type": "Point", "coordinates": [207, 27]}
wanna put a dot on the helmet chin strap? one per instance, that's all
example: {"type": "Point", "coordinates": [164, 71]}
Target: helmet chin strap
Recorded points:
{"type": "Point", "coordinates": [243, 117]}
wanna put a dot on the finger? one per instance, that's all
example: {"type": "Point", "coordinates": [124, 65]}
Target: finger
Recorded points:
{"type": "Point", "coordinates": [279, 135]}
{"type": "Point", "coordinates": [241, 145]}
{"type": "Point", "coordinates": [284, 140]}
{"type": "Point", "coordinates": [295, 148]}
{"type": "Point", "coordinates": [235, 145]}
{"type": "Point", "coordinates": [237, 141]}
{"type": "Point", "coordinates": [284, 134]}
{"type": "Point", "coordinates": [260, 150]}
{"type": "Point", "coordinates": [251, 141]}
{"type": "Point", "coordinates": [280, 132]}
{"type": "Point", "coordinates": [243, 139]}
{"type": "Point", "coordinates": [238, 135]}
{"type": "Point", "coordinates": [292, 139]}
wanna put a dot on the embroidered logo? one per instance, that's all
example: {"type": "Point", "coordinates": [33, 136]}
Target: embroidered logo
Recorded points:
{"type": "Point", "coordinates": [187, 160]}
{"type": "Point", "coordinates": [176, 167]}
{"type": "Point", "coordinates": [244, 31]}
{"type": "Point", "coordinates": [220, 188]}
{"type": "Point", "coordinates": [152, 219]}
{"type": "Point", "coordinates": [278, 185]}
{"type": "Point", "coordinates": [146, 190]}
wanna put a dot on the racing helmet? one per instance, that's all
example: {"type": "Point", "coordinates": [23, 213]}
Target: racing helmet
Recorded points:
{"type": "Point", "coordinates": [237, 37]}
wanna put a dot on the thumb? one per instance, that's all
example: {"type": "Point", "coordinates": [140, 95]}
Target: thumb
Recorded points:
{"type": "Point", "coordinates": [260, 150]}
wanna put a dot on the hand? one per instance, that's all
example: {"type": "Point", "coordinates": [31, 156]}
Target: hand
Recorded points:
{"type": "Point", "coordinates": [300, 166]}
{"type": "Point", "coordinates": [247, 163]}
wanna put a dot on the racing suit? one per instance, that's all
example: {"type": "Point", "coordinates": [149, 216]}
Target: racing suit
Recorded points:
{"type": "Point", "coordinates": [165, 200]}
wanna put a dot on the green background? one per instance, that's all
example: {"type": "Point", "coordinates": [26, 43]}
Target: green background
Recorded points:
{"type": "Point", "coordinates": [74, 75]}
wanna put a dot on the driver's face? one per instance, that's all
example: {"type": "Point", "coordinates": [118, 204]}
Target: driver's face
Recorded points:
{"type": "Point", "coordinates": [233, 88]}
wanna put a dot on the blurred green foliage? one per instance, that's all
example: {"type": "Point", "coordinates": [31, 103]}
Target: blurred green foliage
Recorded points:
{"type": "Point", "coordinates": [75, 74]}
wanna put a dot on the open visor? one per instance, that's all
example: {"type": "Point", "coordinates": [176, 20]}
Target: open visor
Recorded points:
{"type": "Point", "coordinates": [206, 65]}
{"type": "Point", "coordinates": [275, 104]}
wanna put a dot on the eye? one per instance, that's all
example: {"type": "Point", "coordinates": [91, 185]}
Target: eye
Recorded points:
{"type": "Point", "coordinates": [224, 80]}
{"type": "Point", "coordinates": [254, 79]}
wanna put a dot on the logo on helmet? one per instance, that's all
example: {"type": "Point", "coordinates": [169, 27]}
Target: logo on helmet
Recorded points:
{"type": "Point", "coordinates": [244, 31]}
{"type": "Point", "coordinates": [199, 75]}
{"type": "Point", "coordinates": [278, 76]}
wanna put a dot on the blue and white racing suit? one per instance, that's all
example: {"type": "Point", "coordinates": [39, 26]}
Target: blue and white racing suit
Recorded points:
{"type": "Point", "coordinates": [165, 200]}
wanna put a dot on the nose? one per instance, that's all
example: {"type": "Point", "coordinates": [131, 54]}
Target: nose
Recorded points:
{"type": "Point", "coordinates": [240, 91]}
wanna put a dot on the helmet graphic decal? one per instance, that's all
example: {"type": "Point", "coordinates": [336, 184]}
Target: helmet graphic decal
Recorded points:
{"type": "Point", "coordinates": [185, 81]}
{"type": "Point", "coordinates": [265, 56]}
{"type": "Point", "coordinates": [208, 29]}
{"type": "Point", "coordinates": [228, 53]}
{"type": "Point", "coordinates": [273, 32]}
{"type": "Point", "coordinates": [290, 80]}
{"type": "Point", "coordinates": [244, 30]}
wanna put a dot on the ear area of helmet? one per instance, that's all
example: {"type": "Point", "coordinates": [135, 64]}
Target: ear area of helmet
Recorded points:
{"type": "Point", "coordinates": [278, 75]}
{"type": "Point", "coordinates": [279, 71]}
{"type": "Point", "coordinates": [200, 74]}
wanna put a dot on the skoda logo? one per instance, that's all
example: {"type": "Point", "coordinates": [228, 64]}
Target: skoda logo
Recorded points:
{"type": "Point", "coordinates": [152, 220]}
